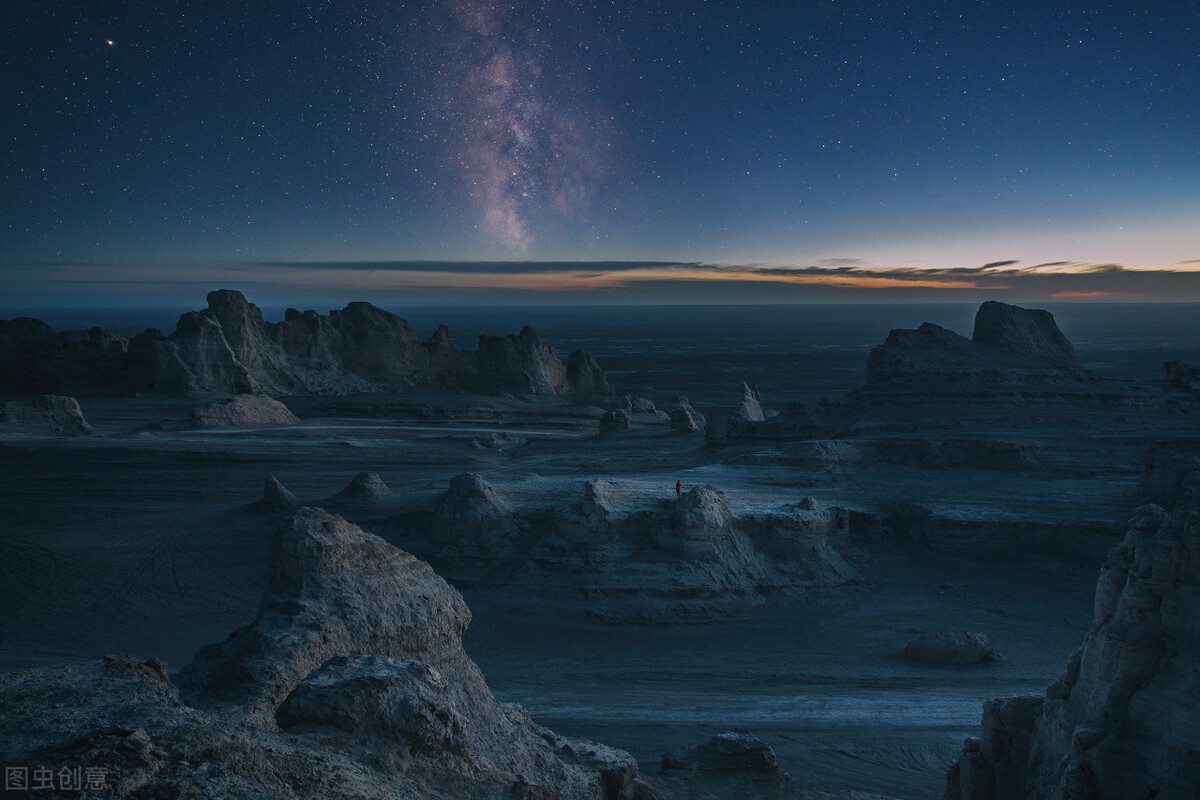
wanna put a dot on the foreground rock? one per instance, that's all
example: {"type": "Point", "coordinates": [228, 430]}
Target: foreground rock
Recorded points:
{"type": "Point", "coordinates": [244, 411]}
{"type": "Point", "coordinates": [351, 683]}
{"type": "Point", "coordinates": [45, 414]}
{"type": "Point", "coordinates": [1123, 720]}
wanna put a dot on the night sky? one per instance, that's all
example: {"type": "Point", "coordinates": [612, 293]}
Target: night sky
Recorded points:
{"type": "Point", "coordinates": [572, 151]}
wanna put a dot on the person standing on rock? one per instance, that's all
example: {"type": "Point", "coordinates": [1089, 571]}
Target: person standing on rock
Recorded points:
{"type": "Point", "coordinates": [678, 488]}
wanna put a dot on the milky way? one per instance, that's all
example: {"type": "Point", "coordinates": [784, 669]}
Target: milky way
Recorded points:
{"type": "Point", "coordinates": [517, 134]}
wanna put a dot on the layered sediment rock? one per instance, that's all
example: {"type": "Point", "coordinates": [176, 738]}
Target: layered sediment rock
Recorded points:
{"type": "Point", "coordinates": [1123, 720]}
{"type": "Point", "coordinates": [351, 683]}
{"type": "Point", "coordinates": [45, 415]}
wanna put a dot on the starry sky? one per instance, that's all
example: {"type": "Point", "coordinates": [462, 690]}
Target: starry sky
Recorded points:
{"type": "Point", "coordinates": [575, 151]}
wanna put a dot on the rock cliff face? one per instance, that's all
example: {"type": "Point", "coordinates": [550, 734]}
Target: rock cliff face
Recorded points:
{"type": "Point", "coordinates": [228, 348]}
{"type": "Point", "coordinates": [1123, 720]}
{"type": "Point", "coordinates": [351, 683]}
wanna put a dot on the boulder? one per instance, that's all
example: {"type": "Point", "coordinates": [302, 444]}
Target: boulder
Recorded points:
{"type": "Point", "coordinates": [732, 751]}
{"type": "Point", "coordinates": [243, 411]}
{"type": "Point", "coordinates": [950, 649]}
{"type": "Point", "coordinates": [44, 415]}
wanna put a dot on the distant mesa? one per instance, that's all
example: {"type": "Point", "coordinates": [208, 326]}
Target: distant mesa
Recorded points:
{"type": "Point", "coordinates": [243, 411]}
{"type": "Point", "coordinates": [229, 349]}
{"type": "Point", "coordinates": [1009, 344]}
{"type": "Point", "coordinates": [615, 419]}
{"type": "Point", "coordinates": [44, 414]}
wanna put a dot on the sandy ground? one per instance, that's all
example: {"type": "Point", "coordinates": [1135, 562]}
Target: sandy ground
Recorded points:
{"type": "Point", "coordinates": [145, 543]}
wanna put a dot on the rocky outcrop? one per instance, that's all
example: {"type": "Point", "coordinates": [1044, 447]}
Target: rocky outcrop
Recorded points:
{"type": "Point", "coordinates": [276, 497]}
{"type": "Point", "coordinates": [228, 348]}
{"type": "Point", "coordinates": [1010, 345]}
{"type": "Point", "coordinates": [950, 649]}
{"type": "Point", "coordinates": [750, 409]}
{"type": "Point", "coordinates": [686, 418]}
{"type": "Point", "coordinates": [243, 411]}
{"type": "Point", "coordinates": [197, 359]}
{"type": "Point", "coordinates": [588, 382]}
{"type": "Point", "coordinates": [1028, 331]}
{"type": "Point", "coordinates": [44, 415]}
{"type": "Point", "coordinates": [34, 359]}
{"type": "Point", "coordinates": [1123, 720]}
{"type": "Point", "coordinates": [366, 488]}
{"type": "Point", "coordinates": [633, 557]}
{"type": "Point", "coordinates": [351, 683]}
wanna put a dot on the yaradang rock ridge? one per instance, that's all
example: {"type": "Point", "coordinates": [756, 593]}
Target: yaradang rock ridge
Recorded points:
{"type": "Point", "coordinates": [633, 560]}
{"type": "Point", "coordinates": [229, 349]}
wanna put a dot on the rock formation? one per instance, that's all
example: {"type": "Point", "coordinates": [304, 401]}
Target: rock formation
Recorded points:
{"type": "Point", "coordinates": [36, 360]}
{"type": "Point", "coordinates": [587, 380]}
{"type": "Point", "coordinates": [351, 683]}
{"type": "Point", "coordinates": [686, 418]}
{"type": "Point", "coordinates": [228, 348]}
{"type": "Point", "coordinates": [750, 409]}
{"type": "Point", "coordinates": [1009, 345]}
{"type": "Point", "coordinates": [365, 488]}
{"type": "Point", "coordinates": [276, 497]}
{"type": "Point", "coordinates": [1123, 720]}
{"type": "Point", "coordinates": [950, 649]}
{"type": "Point", "coordinates": [44, 415]}
{"type": "Point", "coordinates": [666, 560]}
{"type": "Point", "coordinates": [730, 764]}
{"type": "Point", "coordinates": [243, 411]}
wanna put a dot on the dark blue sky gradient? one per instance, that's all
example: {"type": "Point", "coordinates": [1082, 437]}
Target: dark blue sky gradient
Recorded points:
{"type": "Point", "coordinates": [883, 134]}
